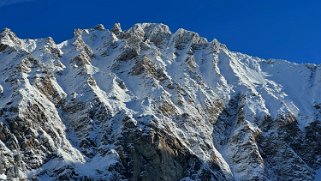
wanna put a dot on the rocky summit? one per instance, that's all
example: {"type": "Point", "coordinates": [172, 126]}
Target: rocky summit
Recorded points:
{"type": "Point", "coordinates": [149, 104]}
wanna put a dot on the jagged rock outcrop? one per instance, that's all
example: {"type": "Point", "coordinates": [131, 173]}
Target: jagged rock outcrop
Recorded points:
{"type": "Point", "coordinates": [149, 104]}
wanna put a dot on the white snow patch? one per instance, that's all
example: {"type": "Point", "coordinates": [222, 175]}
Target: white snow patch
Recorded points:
{"type": "Point", "coordinates": [96, 164]}
{"type": "Point", "coordinates": [3, 177]}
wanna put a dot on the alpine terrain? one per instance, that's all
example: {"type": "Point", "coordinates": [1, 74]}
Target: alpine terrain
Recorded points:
{"type": "Point", "coordinates": [150, 104]}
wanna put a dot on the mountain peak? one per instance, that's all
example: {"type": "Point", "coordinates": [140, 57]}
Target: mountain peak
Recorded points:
{"type": "Point", "coordinates": [100, 27]}
{"type": "Point", "coordinates": [116, 28]}
{"type": "Point", "coordinates": [6, 31]}
{"type": "Point", "coordinates": [8, 39]}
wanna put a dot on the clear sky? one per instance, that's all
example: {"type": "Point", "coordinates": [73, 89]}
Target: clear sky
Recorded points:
{"type": "Point", "coordinates": [284, 29]}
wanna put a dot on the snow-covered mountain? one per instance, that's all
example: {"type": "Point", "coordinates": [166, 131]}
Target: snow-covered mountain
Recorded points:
{"type": "Point", "coordinates": [149, 104]}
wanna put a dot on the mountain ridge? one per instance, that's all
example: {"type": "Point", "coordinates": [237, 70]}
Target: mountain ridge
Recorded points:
{"type": "Point", "coordinates": [147, 103]}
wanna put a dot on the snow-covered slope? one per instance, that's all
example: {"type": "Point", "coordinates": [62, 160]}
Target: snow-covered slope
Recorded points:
{"type": "Point", "coordinates": [149, 104]}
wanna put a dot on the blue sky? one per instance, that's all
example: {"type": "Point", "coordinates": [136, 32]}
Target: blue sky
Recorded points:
{"type": "Point", "coordinates": [285, 29]}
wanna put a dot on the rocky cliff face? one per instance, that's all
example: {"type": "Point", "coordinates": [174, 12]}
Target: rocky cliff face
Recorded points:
{"type": "Point", "coordinates": [149, 104]}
